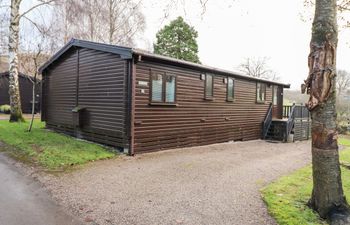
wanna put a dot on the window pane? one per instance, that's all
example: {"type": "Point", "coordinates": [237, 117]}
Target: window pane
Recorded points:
{"type": "Point", "coordinates": [209, 86]}
{"type": "Point", "coordinates": [274, 98]}
{"type": "Point", "coordinates": [170, 89]}
{"type": "Point", "coordinates": [157, 87]}
{"type": "Point", "coordinates": [263, 90]}
{"type": "Point", "coordinates": [230, 88]}
{"type": "Point", "coordinates": [258, 93]}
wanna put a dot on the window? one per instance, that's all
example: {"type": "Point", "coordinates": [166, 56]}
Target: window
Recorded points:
{"type": "Point", "coordinates": [230, 89]}
{"type": "Point", "coordinates": [274, 95]}
{"type": "Point", "coordinates": [260, 92]}
{"type": "Point", "coordinates": [209, 86]}
{"type": "Point", "coordinates": [163, 88]}
{"type": "Point", "coordinates": [157, 87]}
{"type": "Point", "coordinates": [170, 89]}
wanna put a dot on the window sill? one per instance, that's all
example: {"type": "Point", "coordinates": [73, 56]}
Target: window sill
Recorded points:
{"type": "Point", "coordinates": [230, 100]}
{"type": "Point", "coordinates": [260, 102]}
{"type": "Point", "coordinates": [163, 104]}
{"type": "Point", "coordinates": [208, 99]}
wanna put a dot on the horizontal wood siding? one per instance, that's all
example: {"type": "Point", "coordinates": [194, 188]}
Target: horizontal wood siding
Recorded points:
{"type": "Point", "coordinates": [59, 91]}
{"type": "Point", "coordinates": [99, 88]}
{"type": "Point", "coordinates": [195, 121]}
{"type": "Point", "coordinates": [102, 88]}
{"type": "Point", "coordinates": [25, 86]}
{"type": "Point", "coordinates": [4, 90]}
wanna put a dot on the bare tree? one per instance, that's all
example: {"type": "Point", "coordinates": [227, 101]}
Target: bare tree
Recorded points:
{"type": "Point", "coordinates": [124, 21]}
{"type": "Point", "coordinates": [4, 25]}
{"type": "Point", "coordinates": [35, 82]}
{"type": "Point", "coordinates": [343, 82]}
{"type": "Point", "coordinates": [257, 67]}
{"type": "Point", "coordinates": [108, 21]}
{"type": "Point", "coordinates": [15, 17]}
{"type": "Point", "coordinates": [327, 195]}
{"type": "Point", "coordinates": [343, 7]}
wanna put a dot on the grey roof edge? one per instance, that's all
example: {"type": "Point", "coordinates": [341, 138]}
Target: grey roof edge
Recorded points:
{"type": "Point", "coordinates": [205, 67]}
{"type": "Point", "coordinates": [124, 52]}
{"type": "Point", "coordinates": [127, 53]}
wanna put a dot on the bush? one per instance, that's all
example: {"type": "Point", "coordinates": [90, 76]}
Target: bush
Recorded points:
{"type": "Point", "coordinates": [5, 109]}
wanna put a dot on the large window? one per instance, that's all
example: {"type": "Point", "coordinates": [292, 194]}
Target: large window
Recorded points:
{"type": "Point", "coordinates": [260, 92]}
{"type": "Point", "coordinates": [209, 86]}
{"type": "Point", "coordinates": [274, 95]}
{"type": "Point", "coordinates": [163, 88]}
{"type": "Point", "coordinates": [230, 89]}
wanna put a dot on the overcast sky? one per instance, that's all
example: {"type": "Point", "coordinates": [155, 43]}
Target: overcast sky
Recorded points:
{"type": "Point", "coordinates": [230, 31]}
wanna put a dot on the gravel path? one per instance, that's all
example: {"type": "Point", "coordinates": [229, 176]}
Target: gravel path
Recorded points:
{"type": "Point", "coordinates": [216, 184]}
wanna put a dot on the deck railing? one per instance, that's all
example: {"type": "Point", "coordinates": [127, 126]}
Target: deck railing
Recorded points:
{"type": "Point", "coordinates": [267, 121]}
{"type": "Point", "coordinates": [290, 121]}
{"type": "Point", "coordinates": [300, 111]}
{"type": "Point", "coordinates": [298, 115]}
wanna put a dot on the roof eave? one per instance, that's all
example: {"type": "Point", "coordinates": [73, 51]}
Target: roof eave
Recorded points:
{"type": "Point", "coordinates": [204, 67]}
{"type": "Point", "coordinates": [124, 52]}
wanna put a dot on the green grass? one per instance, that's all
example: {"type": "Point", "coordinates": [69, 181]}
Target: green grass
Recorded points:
{"type": "Point", "coordinates": [286, 198]}
{"type": "Point", "coordinates": [50, 150]}
{"type": "Point", "coordinates": [345, 141]}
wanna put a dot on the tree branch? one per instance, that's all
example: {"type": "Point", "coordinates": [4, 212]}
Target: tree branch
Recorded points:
{"type": "Point", "coordinates": [36, 6]}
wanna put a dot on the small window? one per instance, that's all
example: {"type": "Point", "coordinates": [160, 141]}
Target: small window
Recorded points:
{"type": "Point", "coordinates": [163, 88]}
{"type": "Point", "coordinates": [170, 89]}
{"type": "Point", "coordinates": [274, 95]}
{"type": "Point", "coordinates": [260, 92]}
{"type": "Point", "coordinates": [230, 89]}
{"type": "Point", "coordinates": [209, 86]}
{"type": "Point", "coordinates": [157, 87]}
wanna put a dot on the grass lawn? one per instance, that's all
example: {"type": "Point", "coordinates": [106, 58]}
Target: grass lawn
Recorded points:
{"type": "Point", "coordinates": [50, 150]}
{"type": "Point", "coordinates": [287, 197]}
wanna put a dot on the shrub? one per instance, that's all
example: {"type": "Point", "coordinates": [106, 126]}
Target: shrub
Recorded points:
{"type": "Point", "coordinates": [5, 109]}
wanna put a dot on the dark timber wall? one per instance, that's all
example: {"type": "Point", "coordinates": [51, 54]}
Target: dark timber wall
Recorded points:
{"type": "Point", "coordinates": [195, 121]}
{"type": "Point", "coordinates": [25, 86]}
{"type": "Point", "coordinates": [94, 81]}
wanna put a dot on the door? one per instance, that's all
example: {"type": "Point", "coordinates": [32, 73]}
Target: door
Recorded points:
{"type": "Point", "coordinates": [277, 102]}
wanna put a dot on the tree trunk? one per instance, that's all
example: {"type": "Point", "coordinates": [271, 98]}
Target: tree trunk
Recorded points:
{"type": "Point", "coordinates": [327, 195]}
{"type": "Point", "coordinates": [111, 22]}
{"type": "Point", "coordinates": [15, 99]}
{"type": "Point", "coordinates": [33, 105]}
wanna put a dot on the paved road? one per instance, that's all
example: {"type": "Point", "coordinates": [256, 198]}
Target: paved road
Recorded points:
{"type": "Point", "coordinates": [23, 201]}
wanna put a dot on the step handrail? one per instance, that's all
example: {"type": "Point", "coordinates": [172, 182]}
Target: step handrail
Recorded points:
{"type": "Point", "coordinates": [267, 121]}
{"type": "Point", "coordinates": [290, 122]}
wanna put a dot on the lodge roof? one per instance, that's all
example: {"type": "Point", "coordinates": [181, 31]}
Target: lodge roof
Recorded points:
{"type": "Point", "coordinates": [129, 53]}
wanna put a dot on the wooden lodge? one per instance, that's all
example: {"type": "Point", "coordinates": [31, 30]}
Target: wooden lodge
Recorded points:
{"type": "Point", "coordinates": [25, 89]}
{"type": "Point", "coordinates": [139, 101]}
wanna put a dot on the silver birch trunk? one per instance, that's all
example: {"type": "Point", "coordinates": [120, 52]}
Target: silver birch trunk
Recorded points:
{"type": "Point", "coordinates": [15, 99]}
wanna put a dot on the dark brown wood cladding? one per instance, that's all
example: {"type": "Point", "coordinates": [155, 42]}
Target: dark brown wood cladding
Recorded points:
{"type": "Point", "coordinates": [102, 93]}
{"type": "Point", "coordinates": [25, 86]}
{"type": "Point", "coordinates": [94, 81]}
{"type": "Point", "coordinates": [195, 121]}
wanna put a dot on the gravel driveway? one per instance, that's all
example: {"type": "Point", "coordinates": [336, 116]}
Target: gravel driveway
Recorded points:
{"type": "Point", "coordinates": [216, 184]}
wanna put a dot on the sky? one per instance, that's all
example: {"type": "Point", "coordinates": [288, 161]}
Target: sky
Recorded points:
{"type": "Point", "coordinates": [230, 31]}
